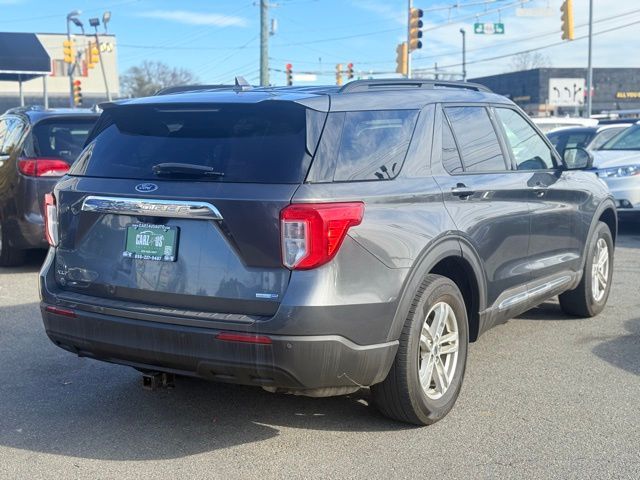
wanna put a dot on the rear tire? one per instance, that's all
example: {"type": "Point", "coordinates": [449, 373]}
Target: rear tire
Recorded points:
{"type": "Point", "coordinates": [426, 376]}
{"type": "Point", "coordinates": [9, 256]}
{"type": "Point", "coordinates": [589, 298]}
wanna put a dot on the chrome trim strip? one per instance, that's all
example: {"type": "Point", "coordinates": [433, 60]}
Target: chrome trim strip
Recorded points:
{"type": "Point", "coordinates": [534, 292]}
{"type": "Point", "coordinates": [151, 207]}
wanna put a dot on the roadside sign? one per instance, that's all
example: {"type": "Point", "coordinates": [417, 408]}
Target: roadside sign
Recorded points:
{"type": "Point", "coordinates": [488, 28]}
{"type": "Point", "coordinates": [567, 92]}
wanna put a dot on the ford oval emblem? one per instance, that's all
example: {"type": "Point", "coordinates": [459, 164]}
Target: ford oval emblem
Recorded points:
{"type": "Point", "coordinates": [146, 187]}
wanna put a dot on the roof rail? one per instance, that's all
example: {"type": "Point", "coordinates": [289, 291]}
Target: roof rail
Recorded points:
{"type": "Point", "coordinates": [366, 85]}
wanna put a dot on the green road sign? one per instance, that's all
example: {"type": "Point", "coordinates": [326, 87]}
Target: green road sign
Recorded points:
{"type": "Point", "coordinates": [488, 28]}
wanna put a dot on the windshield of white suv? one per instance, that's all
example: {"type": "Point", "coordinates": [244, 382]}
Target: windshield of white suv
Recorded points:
{"type": "Point", "coordinates": [626, 140]}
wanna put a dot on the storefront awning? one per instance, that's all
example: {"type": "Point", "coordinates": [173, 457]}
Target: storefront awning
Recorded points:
{"type": "Point", "coordinates": [22, 57]}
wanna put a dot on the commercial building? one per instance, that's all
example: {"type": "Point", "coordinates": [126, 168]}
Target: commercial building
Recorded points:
{"type": "Point", "coordinates": [563, 91]}
{"type": "Point", "coordinates": [56, 82]}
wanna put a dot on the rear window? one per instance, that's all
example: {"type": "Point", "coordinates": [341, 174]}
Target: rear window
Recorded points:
{"type": "Point", "coordinates": [267, 142]}
{"type": "Point", "coordinates": [61, 138]}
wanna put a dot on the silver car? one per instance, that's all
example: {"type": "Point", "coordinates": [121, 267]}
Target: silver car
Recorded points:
{"type": "Point", "coordinates": [618, 164]}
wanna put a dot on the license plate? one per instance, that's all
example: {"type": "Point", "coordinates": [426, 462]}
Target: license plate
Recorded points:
{"type": "Point", "coordinates": [151, 242]}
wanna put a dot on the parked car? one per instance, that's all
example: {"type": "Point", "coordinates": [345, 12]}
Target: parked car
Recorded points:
{"type": "Point", "coordinates": [37, 146]}
{"type": "Point", "coordinates": [546, 124]}
{"type": "Point", "coordinates": [618, 164]}
{"type": "Point", "coordinates": [318, 240]}
{"type": "Point", "coordinates": [590, 138]}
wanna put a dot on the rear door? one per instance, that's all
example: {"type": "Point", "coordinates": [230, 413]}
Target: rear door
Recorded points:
{"type": "Point", "coordinates": [178, 206]}
{"type": "Point", "coordinates": [487, 201]}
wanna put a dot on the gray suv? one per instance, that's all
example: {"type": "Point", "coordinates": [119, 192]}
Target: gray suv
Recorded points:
{"type": "Point", "coordinates": [319, 240]}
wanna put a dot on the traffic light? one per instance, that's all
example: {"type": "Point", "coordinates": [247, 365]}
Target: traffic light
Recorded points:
{"type": "Point", "coordinates": [68, 51]}
{"type": "Point", "coordinates": [77, 93]}
{"type": "Point", "coordinates": [401, 58]}
{"type": "Point", "coordinates": [349, 71]}
{"type": "Point", "coordinates": [567, 20]}
{"type": "Point", "coordinates": [415, 29]}
{"type": "Point", "coordinates": [289, 72]}
{"type": "Point", "coordinates": [93, 56]}
{"type": "Point", "coordinates": [339, 74]}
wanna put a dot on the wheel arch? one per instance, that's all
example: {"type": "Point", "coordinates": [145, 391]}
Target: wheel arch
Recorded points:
{"type": "Point", "coordinates": [609, 216]}
{"type": "Point", "coordinates": [454, 258]}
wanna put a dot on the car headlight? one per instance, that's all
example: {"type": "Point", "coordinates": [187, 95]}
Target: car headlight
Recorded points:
{"type": "Point", "coordinates": [626, 171]}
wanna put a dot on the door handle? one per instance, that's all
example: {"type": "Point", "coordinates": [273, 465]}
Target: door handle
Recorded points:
{"type": "Point", "coordinates": [462, 191]}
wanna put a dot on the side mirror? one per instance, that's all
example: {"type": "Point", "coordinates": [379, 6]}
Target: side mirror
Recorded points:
{"type": "Point", "coordinates": [577, 158]}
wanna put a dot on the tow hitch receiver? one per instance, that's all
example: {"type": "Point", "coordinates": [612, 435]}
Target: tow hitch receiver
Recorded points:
{"type": "Point", "coordinates": [155, 380]}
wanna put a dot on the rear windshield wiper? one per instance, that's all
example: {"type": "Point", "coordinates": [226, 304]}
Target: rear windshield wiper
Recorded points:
{"type": "Point", "coordinates": [185, 170]}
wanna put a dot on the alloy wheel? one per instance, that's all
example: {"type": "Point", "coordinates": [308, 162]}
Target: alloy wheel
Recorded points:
{"type": "Point", "coordinates": [600, 270]}
{"type": "Point", "coordinates": [438, 350]}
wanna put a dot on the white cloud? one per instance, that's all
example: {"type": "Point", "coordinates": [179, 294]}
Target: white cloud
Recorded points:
{"type": "Point", "coordinates": [196, 18]}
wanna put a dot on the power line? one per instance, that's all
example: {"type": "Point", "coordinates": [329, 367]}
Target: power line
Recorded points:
{"type": "Point", "coordinates": [529, 50]}
{"type": "Point", "coordinates": [529, 37]}
{"type": "Point", "coordinates": [398, 28]}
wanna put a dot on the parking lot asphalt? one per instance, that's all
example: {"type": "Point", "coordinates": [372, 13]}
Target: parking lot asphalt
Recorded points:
{"type": "Point", "coordinates": [545, 396]}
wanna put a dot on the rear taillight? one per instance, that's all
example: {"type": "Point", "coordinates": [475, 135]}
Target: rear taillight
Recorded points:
{"type": "Point", "coordinates": [313, 232]}
{"type": "Point", "coordinates": [65, 312]}
{"type": "Point", "coordinates": [243, 338]}
{"type": "Point", "coordinates": [51, 219]}
{"type": "Point", "coordinates": [43, 167]}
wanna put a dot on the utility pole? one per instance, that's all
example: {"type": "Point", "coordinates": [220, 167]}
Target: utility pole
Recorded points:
{"type": "Point", "coordinates": [410, 6]}
{"type": "Point", "coordinates": [264, 43]}
{"type": "Point", "coordinates": [464, 54]}
{"type": "Point", "coordinates": [589, 65]}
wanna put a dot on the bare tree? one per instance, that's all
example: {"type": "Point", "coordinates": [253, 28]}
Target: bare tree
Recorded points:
{"type": "Point", "coordinates": [151, 76]}
{"type": "Point", "coordinates": [529, 61]}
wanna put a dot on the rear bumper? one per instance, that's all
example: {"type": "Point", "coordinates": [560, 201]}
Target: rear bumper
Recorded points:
{"type": "Point", "coordinates": [291, 362]}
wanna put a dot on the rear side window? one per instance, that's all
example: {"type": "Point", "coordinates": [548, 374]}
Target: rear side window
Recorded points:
{"type": "Point", "coordinates": [266, 142]}
{"type": "Point", "coordinates": [476, 138]}
{"type": "Point", "coordinates": [374, 144]}
{"type": "Point", "coordinates": [61, 138]}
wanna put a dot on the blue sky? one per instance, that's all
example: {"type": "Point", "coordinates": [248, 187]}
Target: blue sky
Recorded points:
{"type": "Point", "coordinates": [218, 39]}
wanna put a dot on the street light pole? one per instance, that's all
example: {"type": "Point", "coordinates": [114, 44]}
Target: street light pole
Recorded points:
{"type": "Point", "coordinates": [72, 17]}
{"type": "Point", "coordinates": [464, 54]}
{"type": "Point", "coordinates": [589, 65]}
{"type": "Point", "coordinates": [94, 22]}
